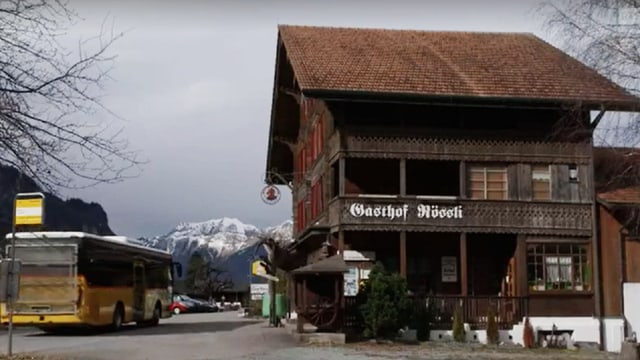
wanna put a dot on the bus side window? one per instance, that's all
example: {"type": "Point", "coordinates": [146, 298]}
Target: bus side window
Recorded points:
{"type": "Point", "coordinates": [158, 277]}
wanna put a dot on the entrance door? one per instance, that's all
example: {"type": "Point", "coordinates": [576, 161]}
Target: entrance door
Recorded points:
{"type": "Point", "coordinates": [138, 291]}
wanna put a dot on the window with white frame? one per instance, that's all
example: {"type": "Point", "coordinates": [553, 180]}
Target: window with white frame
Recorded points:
{"type": "Point", "coordinates": [541, 182]}
{"type": "Point", "coordinates": [558, 267]}
{"type": "Point", "coordinates": [488, 182]}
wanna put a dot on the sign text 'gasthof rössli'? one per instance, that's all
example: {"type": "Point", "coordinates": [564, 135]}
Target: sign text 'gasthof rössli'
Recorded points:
{"type": "Point", "coordinates": [393, 212]}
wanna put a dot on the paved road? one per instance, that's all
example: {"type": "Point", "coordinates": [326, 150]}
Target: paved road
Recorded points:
{"type": "Point", "coordinates": [226, 336]}
{"type": "Point", "coordinates": [188, 336]}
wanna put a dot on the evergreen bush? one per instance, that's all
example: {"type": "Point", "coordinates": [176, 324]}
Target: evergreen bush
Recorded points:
{"type": "Point", "coordinates": [387, 308]}
{"type": "Point", "coordinates": [458, 325]}
{"type": "Point", "coordinates": [493, 335]}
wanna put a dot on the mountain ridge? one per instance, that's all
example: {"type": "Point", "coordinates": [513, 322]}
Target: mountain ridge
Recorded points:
{"type": "Point", "coordinates": [227, 243]}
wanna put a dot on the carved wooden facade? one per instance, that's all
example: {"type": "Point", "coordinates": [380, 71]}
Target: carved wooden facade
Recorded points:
{"type": "Point", "coordinates": [412, 214]}
{"type": "Point", "coordinates": [488, 179]}
{"type": "Point", "coordinates": [459, 149]}
{"type": "Point", "coordinates": [566, 216]}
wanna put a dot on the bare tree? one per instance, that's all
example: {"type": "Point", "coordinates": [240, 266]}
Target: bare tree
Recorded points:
{"type": "Point", "coordinates": [219, 281]}
{"type": "Point", "coordinates": [205, 279]}
{"type": "Point", "coordinates": [50, 100]}
{"type": "Point", "coordinates": [604, 34]}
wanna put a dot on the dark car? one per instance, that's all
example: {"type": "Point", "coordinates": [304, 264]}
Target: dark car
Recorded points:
{"type": "Point", "coordinates": [184, 303]}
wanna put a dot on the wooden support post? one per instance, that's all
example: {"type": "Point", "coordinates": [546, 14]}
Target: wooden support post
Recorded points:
{"type": "Point", "coordinates": [403, 254]}
{"type": "Point", "coordinates": [403, 177]}
{"type": "Point", "coordinates": [464, 284]}
{"type": "Point", "coordinates": [342, 173]}
{"type": "Point", "coordinates": [520, 272]}
{"type": "Point", "coordinates": [272, 291]}
{"type": "Point", "coordinates": [299, 300]}
{"type": "Point", "coordinates": [341, 243]}
{"type": "Point", "coordinates": [463, 180]}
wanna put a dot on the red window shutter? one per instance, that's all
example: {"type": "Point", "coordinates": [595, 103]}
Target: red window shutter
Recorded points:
{"type": "Point", "coordinates": [321, 134]}
{"type": "Point", "coordinates": [307, 216]}
{"type": "Point", "coordinates": [297, 168]}
{"type": "Point", "coordinates": [303, 160]}
{"type": "Point", "coordinates": [302, 220]}
{"type": "Point", "coordinates": [320, 195]}
{"type": "Point", "coordinates": [316, 134]}
{"type": "Point", "coordinates": [312, 147]}
{"type": "Point", "coordinates": [313, 201]}
{"type": "Point", "coordinates": [297, 217]}
{"type": "Point", "coordinates": [316, 202]}
{"type": "Point", "coordinates": [315, 137]}
{"type": "Point", "coordinates": [300, 216]}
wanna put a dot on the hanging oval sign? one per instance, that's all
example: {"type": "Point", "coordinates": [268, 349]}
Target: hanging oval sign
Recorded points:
{"type": "Point", "coordinates": [270, 194]}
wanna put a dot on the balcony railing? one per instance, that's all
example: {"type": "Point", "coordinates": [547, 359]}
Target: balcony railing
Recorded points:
{"type": "Point", "coordinates": [425, 148]}
{"type": "Point", "coordinates": [508, 311]}
{"type": "Point", "coordinates": [443, 215]}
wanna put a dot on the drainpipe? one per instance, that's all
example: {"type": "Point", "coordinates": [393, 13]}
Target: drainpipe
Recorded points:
{"type": "Point", "coordinates": [621, 261]}
{"type": "Point", "coordinates": [596, 261]}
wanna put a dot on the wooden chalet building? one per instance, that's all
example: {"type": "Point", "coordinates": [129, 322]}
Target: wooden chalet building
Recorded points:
{"type": "Point", "coordinates": [461, 160]}
{"type": "Point", "coordinates": [617, 183]}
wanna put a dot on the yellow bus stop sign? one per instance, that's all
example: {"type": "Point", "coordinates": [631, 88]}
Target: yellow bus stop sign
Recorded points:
{"type": "Point", "coordinates": [29, 209]}
{"type": "Point", "coordinates": [259, 268]}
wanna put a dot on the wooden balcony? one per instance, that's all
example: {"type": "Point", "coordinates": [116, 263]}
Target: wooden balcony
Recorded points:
{"type": "Point", "coordinates": [450, 215]}
{"type": "Point", "coordinates": [424, 148]}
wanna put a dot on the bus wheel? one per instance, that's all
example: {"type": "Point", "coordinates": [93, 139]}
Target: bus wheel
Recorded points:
{"type": "Point", "coordinates": [118, 317]}
{"type": "Point", "coordinates": [156, 316]}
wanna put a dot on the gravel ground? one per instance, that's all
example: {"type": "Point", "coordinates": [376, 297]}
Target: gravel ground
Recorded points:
{"type": "Point", "coordinates": [432, 351]}
{"type": "Point", "coordinates": [30, 357]}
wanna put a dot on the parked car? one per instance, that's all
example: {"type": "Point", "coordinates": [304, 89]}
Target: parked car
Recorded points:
{"type": "Point", "coordinates": [186, 304]}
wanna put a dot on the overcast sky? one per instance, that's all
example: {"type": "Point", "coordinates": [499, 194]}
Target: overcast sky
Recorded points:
{"type": "Point", "coordinates": [194, 82]}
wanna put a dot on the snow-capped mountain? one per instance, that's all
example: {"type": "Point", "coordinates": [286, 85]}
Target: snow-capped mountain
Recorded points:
{"type": "Point", "coordinates": [227, 242]}
{"type": "Point", "coordinates": [220, 236]}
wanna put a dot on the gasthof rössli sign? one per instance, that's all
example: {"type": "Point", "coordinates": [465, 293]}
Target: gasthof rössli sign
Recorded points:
{"type": "Point", "coordinates": [402, 212]}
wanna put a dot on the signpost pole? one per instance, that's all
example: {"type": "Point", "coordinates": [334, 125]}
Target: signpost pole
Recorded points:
{"type": "Point", "coordinates": [28, 209]}
{"type": "Point", "coordinates": [12, 279]}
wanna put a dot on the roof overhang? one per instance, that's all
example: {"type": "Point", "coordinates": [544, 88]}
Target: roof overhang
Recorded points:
{"type": "Point", "coordinates": [318, 232]}
{"type": "Point", "coordinates": [269, 178]}
{"type": "Point", "coordinates": [461, 100]}
{"type": "Point", "coordinates": [331, 265]}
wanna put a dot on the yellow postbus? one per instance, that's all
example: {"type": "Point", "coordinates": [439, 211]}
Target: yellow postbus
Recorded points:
{"type": "Point", "coordinates": [70, 279]}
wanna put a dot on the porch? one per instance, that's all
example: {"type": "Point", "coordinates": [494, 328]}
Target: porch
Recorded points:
{"type": "Point", "coordinates": [509, 311]}
{"type": "Point", "coordinates": [443, 264]}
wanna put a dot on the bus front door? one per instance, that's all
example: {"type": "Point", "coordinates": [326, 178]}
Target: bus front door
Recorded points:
{"type": "Point", "coordinates": [138, 291]}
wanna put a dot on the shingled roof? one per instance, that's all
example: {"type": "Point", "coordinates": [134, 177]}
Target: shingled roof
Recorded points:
{"type": "Point", "coordinates": [628, 195]}
{"type": "Point", "coordinates": [515, 66]}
